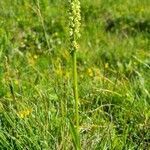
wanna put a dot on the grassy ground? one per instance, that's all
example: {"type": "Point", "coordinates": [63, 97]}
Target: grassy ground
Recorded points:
{"type": "Point", "coordinates": [36, 97]}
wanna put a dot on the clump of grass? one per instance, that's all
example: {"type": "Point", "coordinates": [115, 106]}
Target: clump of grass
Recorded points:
{"type": "Point", "coordinates": [74, 36]}
{"type": "Point", "coordinates": [113, 75]}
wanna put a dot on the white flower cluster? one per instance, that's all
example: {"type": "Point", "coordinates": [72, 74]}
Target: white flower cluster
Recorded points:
{"type": "Point", "coordinates": [75, 19]}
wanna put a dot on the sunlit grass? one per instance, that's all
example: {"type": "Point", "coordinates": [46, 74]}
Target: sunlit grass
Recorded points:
{"type": "Point", "coordinates": [36, 98]}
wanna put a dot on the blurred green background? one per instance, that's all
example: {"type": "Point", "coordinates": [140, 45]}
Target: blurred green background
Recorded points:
{"type": "Point", "coordinates": [36, 98]}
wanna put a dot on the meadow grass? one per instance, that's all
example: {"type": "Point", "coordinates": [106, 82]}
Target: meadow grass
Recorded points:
{"type": "Point", "coordinates": [113, 64]}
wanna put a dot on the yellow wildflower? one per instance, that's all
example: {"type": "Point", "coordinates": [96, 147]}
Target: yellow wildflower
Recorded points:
{"type": "Point", "coordinates": [90, 72]}
{"type": "Point", "coordinates": [24, 113]}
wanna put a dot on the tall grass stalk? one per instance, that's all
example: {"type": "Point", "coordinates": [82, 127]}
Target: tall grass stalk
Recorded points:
{"type": "Point", "coordinates": [43, 24]}
{"type": "Point", "coordinates": [75, 19]}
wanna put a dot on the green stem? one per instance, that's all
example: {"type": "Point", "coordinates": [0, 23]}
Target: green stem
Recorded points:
{"type": "Point", "coordinates": [75, 87]}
